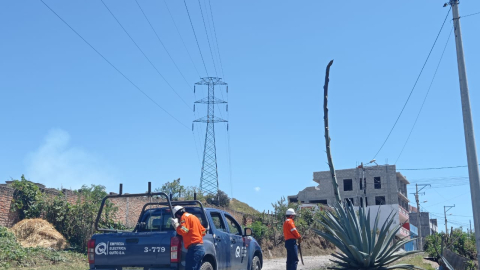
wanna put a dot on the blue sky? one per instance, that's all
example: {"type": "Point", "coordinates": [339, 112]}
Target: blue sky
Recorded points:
{"type": "Point", "coordinates": [68, 118]}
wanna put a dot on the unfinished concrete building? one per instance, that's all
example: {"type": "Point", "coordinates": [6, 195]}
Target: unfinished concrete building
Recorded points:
{"type": "Point", "coordinates": [381, 185]}
{"type": "Point", "coordinates": [384, 190]}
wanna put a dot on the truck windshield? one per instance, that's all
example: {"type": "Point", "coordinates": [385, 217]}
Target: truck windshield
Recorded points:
{"type": "Point", "coordinates": [158, 220]}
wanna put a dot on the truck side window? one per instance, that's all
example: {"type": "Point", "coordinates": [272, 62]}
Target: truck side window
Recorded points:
{"type": "Point", "coordinates": [218, 221]}
{"type": "Point", "coordinates": [233, 225]}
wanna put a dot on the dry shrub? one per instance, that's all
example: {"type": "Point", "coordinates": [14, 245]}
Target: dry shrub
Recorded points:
{"type": "Point", "coordinates": [38, 233]}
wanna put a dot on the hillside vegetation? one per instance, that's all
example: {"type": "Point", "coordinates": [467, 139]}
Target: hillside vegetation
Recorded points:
{"type": "Point", "coordinates": [239, 206]}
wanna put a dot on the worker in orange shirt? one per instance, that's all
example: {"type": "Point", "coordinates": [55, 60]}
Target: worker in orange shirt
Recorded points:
{"type": "Point", "coordinates": [291, 235]}
{"type": "Point", "coordinates": [192, 231]}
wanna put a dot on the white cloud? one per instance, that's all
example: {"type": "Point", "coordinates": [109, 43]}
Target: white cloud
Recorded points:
{"type": "Point", "coordinates": [257, 189]}
{"type": "Point", "coordinates": [56, 163]}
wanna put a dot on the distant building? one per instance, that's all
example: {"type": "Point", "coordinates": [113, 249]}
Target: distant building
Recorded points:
{"type": "Point", "coordinates": [382, 187]}
{"type": "Point", "coordinates": [427, 227]}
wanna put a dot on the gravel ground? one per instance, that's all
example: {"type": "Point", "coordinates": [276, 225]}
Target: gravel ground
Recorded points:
{"type": "Point", "coordinates": [311, 263]}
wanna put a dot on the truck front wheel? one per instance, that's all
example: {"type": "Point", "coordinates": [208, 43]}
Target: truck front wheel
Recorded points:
{"type": "Point", "coordinates": [206, 266]}
{"type": "Point", "coordinates": [256, 263]}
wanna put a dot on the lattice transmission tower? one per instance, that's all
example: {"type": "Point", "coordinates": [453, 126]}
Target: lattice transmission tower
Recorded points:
{"type": "Point", "coordinates": [209, 176]}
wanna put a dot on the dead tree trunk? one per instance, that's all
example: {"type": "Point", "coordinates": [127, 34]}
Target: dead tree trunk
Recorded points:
{"type": "Point", "coordinates": [327, 135]}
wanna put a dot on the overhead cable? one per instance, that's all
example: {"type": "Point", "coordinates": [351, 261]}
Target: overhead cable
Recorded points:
{"type": "Point", "coordinates": [193, 29]}
{"type": "Point", "coordinates": [216, 40]}
{"type": "Point", "coordinates": [426, 96]}
{"type": "Point", "coordinates": [163, 45]}
{"type": "Point", "coordinates": [181, 38]}
{"type": "Point", "coordinates": [113, 66]}
{"type": "Point", "coordinates": [208, 39]}
{"type": "Point", "coordinates": [414, 85]}
{"type": "Point", "coordinates": [143, 53]}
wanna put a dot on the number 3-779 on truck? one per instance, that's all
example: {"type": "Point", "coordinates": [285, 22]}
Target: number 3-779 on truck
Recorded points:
{"type": "Point", "coordinates": [155, 245]}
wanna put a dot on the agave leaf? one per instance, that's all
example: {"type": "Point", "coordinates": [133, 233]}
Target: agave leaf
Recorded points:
{"type": "Point", "coordinates": [399, 256]}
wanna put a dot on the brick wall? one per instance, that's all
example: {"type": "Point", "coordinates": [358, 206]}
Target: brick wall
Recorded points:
{"type": "Point", "coordinates": [129, 209]}
{"type": "Point", "coordinates": [7, 218]}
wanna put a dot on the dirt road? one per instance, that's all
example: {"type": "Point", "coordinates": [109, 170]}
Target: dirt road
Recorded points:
{"type": "Point", "coordinates": [311, 263]}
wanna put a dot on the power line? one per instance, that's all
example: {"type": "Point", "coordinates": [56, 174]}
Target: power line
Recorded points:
{"type": "Point", "coordinates": [216, 40]}
{"type": "Point", "coordinates": [208, 39]}
{"type": "Point", "coordinates": [426, 96]}
{"type": "Point", "coordinates": [434, 168]}
{"type": "Point", "coordinates": [470, 15]}
{"type": "Point", "coordinates": [198, 45]}
{"type": "Point", "coordinates": [143, 53]}
{"type": "Point", "coordinates": [184, 45]}
{"type": "Point", "coordinates": [113, 66]}
{"type": "Point", "coordinates": [163, 45]}
{"type": "Point", "coordinates": [421, 71]}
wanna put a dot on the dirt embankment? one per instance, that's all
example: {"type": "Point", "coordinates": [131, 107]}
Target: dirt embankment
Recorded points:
{"type": "Point", "coordinates": [312, 245]}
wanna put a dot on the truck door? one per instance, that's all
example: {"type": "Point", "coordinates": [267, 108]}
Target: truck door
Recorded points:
{"type": "Point", "coordinates": [237, 249]}
{"type": "Point", "coordinates": [222, 241]}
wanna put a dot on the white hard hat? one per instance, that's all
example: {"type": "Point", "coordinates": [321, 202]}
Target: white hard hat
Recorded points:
{"type": "Point", "coordinates": [291, 212]}
{"type": "Point", "coordinates": [176, 209]}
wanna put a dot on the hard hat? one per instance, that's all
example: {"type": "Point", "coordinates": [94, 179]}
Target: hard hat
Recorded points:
{"type": "Point", "coordinates": [176, 209]}
{"type": "Point", "coordinates": [291, 212]}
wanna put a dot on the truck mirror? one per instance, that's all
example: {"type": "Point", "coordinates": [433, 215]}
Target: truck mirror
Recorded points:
{"type": "Point", "coordinates": [247, 232]}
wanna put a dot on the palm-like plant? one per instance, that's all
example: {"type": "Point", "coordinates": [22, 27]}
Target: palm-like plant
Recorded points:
{"type": "Point", "coordinates": [360, 246]}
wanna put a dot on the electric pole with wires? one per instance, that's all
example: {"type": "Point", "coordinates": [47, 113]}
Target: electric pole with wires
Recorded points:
{"type": "Point", "coordinates": [419, 223]}
{"type": "Point", "coordinates": [209, 175]}
{"type": "Point", "coordinates": [445, 210]}
{"type": "Point", "coordinates": [473, 170]}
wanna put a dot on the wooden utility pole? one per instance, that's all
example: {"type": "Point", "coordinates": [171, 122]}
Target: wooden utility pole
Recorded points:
{"type": "Point", "coordinates": [473, 171]}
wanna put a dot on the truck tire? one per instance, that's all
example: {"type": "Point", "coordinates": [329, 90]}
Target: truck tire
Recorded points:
{"type": "Point", "coordinates": [256, 265]}
{"type": "Point", "coordinates": [206, 266]}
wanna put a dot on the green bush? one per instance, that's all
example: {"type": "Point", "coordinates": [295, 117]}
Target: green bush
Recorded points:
{"type": "Point", "coordinates": [458, 241]}
{"type": "Point", "coordinates": [27, 199]}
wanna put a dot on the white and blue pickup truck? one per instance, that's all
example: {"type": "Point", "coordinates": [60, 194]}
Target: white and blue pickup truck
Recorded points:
{"type": "Point", "coordinates": [155, 245]}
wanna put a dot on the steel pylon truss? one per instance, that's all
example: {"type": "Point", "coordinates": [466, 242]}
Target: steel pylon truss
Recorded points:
{"type": "Point", "coordinates": [209, 175]}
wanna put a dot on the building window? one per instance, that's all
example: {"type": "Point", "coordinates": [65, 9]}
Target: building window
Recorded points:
{"type": "Point", "coordinates": [361, 201]}
{"type": "Point", "coordinates": [377, 182]}
{"type": "Point", "coordinates": [347, 185]}
{"type": "Point", "coordinates": [366, 201]}
{"type": "Point", "coordinates": [379, 200]}
{"type": "Point", "coordinates": [293, 200]}
{"type": "Point", "coordinates": [349, 201]}
{"type": "Point", "coordinates": [318, 201]}
{"type": "Point", "coordinates": [361, 183]}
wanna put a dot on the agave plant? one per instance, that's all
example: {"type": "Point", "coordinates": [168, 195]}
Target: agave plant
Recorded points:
{"type": "Point", "coordinates": [359, 244]}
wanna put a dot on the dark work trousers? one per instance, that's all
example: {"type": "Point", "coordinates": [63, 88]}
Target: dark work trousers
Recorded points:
{"type": "Point", "coordinates": [194, 258]}
{"type": "Point", "coordinates": [292, 254]}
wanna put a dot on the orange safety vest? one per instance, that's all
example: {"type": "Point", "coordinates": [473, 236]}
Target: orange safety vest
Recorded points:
{"type": "Point", "coordinates": [191, 229]}
{"type": "Point", "coordinates": [289, 230]}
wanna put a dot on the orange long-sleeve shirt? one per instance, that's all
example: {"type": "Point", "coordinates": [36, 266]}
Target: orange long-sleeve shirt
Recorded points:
{"type": "Point", "coordinates": [191, 230]}
{"type": "Point", "coordinates": [289, 230]}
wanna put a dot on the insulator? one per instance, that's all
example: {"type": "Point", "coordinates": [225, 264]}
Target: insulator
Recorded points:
{"type": "Point", "coordinates": [227, 107]}
{"type": "Point", "coordinates": [194, 88]}
{"type": "Point", "coordinates": [194, 107]}
{"type": "Point", "coordinates": [227, 88]}
{"type": "Point", "coordinates": [192, 126]}
{"type": "Point", "coordinates": [227, 126]}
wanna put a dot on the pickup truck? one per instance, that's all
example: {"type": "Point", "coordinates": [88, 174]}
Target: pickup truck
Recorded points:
{"type": "Point", "coordinates": [155, 245]}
